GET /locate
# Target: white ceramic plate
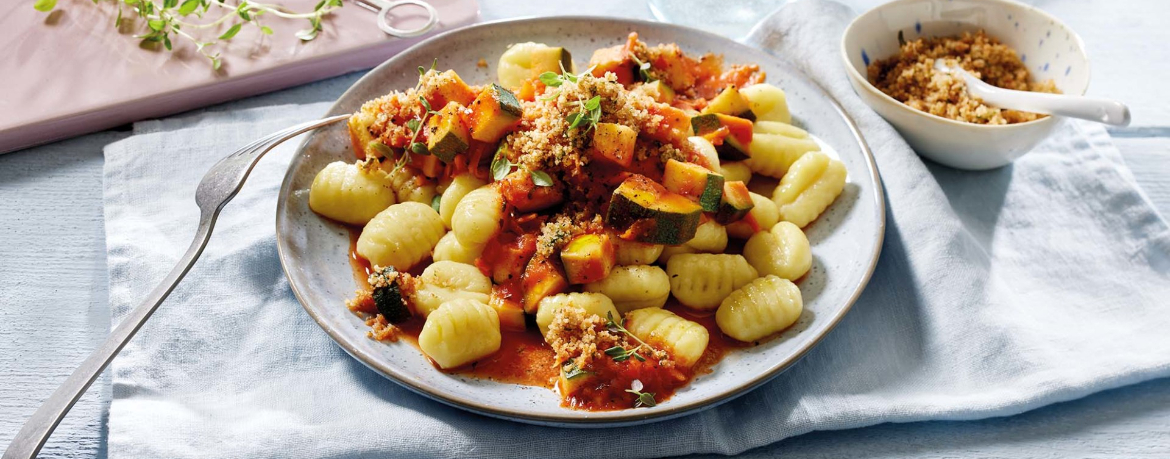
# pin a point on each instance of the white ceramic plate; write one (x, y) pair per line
(846, 239)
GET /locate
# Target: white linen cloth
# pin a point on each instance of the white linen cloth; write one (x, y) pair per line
(997, 292)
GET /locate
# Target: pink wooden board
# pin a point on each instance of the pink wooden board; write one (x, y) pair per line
(71, 72)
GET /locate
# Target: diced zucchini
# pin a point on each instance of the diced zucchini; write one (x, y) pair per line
(448, 133)
(735, 203)
(730, 102)
(510, 311)
(494, 113)
(588, 258)
(690, 179)
(573, 379)
(523, 62)
(388, 295)
(644, 211)
(614, 143)
(550, 59)
(705, 124)
(542, 277)
(448, 87)
(736, 143)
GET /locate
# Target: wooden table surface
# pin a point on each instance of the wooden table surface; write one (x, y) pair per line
(53, 278)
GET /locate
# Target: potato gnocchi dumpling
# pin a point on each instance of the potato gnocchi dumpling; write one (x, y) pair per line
(400, 236)
(765, 306)
(590, 303)
(702, 280)
(444, 281)
(454, 192)
(459, 332)
(775, 146)
(768, 102)
(349, 193)
(634, 287)
(736, 171)
(782, 251)
(449, 249)
(410, 185)
(635, 253)
(683, 339)
(478, 216)
(808, 188)
(765, 213)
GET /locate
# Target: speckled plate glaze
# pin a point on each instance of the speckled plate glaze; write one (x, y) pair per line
(846, 239)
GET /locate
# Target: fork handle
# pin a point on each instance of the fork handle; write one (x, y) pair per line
(37, 429)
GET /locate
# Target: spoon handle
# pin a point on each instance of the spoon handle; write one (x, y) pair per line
(1089, 108)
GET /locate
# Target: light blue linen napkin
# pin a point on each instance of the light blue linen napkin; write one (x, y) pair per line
(997, 292)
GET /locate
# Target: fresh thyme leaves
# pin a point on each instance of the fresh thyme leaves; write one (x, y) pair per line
(167, 19)
(643, 69)
(589, 115)
(571, 370)
(414, 124)
(645, 399)
(619, 353)
(501, 167)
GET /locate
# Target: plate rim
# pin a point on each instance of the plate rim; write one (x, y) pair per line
(587, 419)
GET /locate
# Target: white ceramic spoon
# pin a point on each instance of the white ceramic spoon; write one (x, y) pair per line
(1087, 108)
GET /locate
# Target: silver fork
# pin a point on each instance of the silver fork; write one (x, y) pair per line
(218, 186)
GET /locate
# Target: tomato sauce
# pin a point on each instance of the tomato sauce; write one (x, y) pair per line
(525, 359)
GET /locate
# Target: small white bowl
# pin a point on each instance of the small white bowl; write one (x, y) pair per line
(1048, 48)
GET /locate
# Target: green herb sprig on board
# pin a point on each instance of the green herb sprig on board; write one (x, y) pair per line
(183, 19)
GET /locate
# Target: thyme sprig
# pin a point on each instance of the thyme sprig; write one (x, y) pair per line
(501, 167)
(167, 19)
(645, 399)
(619, 353)
(588, 112)
(415, 124)
(643, 70)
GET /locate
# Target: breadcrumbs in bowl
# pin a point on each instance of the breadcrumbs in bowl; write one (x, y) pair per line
(910, 77)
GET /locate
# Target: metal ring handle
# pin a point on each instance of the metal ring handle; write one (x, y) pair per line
(432, 19)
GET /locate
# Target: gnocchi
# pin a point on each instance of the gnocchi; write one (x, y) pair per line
(702, 280)
(478, 216)
(765, 213)
(782, 251)
(809, 186)
(400, 236)
(768, 102)
(454, 192)
(444, 281)
(590, 303)
(635, 253)
(449, 249)
(459, 332)
(685, 340)
(634, 287)
(710, 237)
(763, 307)
(349, 193)
(775, 146)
